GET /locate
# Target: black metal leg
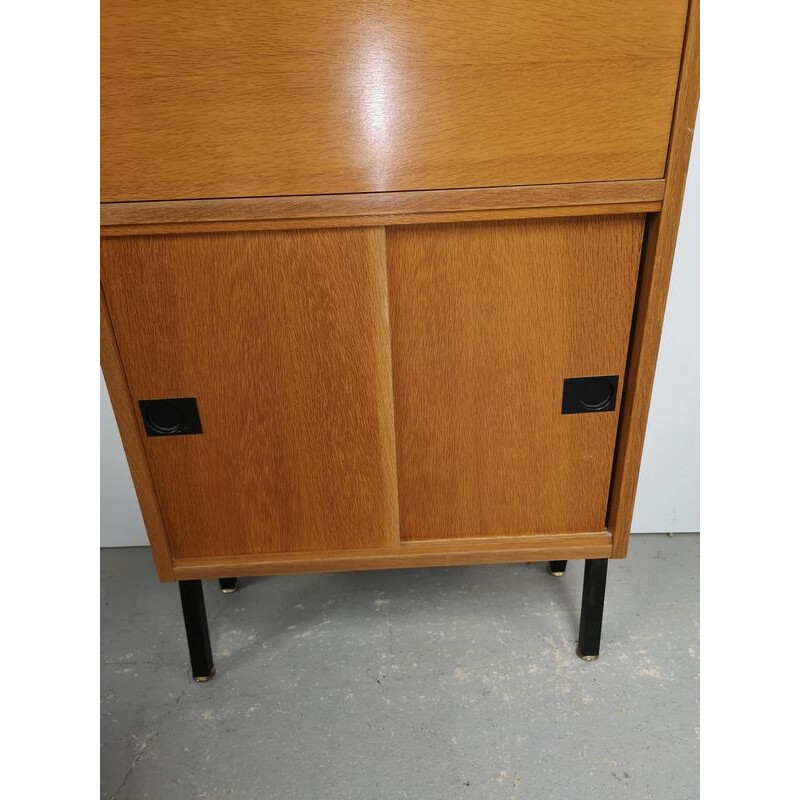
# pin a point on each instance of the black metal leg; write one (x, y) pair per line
(194, 616)
(557, 568)
(228, 585)
(594, 592)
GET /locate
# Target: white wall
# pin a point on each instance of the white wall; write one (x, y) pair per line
(668, 497)
(669, 482)
(120, 519)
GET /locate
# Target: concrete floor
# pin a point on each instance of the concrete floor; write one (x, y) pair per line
(428, 684)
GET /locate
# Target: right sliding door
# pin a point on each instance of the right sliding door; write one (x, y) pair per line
(487, 321)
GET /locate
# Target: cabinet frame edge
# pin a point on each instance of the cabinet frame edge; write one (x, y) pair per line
(431, 553)
(661, 234)
(133, 444)
(380, 208)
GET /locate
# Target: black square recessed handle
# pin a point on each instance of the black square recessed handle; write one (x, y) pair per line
(589, 395)
(174, 416)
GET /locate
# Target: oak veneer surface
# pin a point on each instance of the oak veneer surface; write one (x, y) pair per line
(204, 99)
(286, 210)
(487, 320)
(283, 340)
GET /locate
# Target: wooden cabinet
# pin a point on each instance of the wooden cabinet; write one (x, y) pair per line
(377, 248)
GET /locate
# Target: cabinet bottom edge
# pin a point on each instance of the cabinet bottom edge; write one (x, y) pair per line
(439, 553)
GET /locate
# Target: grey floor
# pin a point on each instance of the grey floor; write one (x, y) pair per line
(427, 684)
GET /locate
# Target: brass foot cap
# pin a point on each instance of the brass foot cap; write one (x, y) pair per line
(205, 678)
(555, 574)
(231, 589)
(587, 658)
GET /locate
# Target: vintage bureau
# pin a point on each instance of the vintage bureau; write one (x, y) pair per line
(383, 282)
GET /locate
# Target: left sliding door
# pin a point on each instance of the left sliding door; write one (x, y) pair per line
(282, 340)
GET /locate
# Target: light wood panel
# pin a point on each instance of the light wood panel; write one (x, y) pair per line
(405, 555)
(283, 339)
(659, 250)
(487, 321)
(203, 100)
(320, 207)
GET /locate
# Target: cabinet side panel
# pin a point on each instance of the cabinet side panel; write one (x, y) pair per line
(659, 249)
(283, 340)
(487, 321)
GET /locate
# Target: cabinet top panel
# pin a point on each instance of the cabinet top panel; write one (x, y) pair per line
(250, 98)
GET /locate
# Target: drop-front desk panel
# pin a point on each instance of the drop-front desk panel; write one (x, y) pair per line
(383, 283)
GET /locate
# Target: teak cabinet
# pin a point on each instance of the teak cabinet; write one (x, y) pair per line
(383, 283)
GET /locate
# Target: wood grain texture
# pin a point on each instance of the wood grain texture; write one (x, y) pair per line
(380, 203)
(244, 99)
(487, 321)
(283, 339)
(658, 252)
(415, 218)
(130, 432)
(408, 554)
